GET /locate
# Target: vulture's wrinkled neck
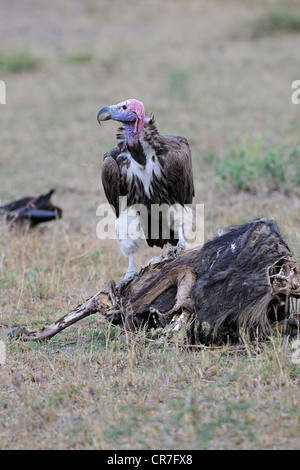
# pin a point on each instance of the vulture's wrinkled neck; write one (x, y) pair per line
(131, 136)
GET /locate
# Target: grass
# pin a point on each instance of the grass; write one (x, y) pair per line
(18, 60)
(143, 393)
(282, 21)
(80, 57)
(90, 387)
(251, 168)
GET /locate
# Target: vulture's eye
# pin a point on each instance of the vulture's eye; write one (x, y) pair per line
(124, 107)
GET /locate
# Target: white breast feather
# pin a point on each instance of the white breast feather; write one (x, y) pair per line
(144, 173)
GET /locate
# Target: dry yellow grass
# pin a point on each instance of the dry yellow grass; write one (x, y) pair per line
(197, 67)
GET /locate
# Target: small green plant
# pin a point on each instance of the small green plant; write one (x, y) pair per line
(18, 60)
(249, 167)
(276, 22)
(80, 57)
(273, 165)
(294, 158)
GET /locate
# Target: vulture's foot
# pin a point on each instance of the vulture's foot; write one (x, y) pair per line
(129, 276)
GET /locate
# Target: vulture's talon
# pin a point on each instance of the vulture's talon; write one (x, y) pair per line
(125, 281)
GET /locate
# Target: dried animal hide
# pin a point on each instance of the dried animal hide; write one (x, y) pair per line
(241, 282)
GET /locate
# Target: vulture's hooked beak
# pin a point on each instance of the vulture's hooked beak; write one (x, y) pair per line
(117, 112)
(104, 114)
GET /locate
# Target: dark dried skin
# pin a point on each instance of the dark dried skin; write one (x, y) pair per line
(231, 286)
(180, 277)
(240, 281)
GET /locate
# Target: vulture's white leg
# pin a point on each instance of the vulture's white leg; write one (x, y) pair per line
(181, 240)
(180, 218)
(130, 241)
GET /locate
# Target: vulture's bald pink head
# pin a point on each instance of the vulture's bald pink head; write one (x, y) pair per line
(131, 112)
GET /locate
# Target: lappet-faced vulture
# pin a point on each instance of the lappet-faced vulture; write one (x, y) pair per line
(150, 170)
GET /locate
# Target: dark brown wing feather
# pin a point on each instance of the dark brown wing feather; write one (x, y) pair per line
(110, 175)
(178, 169)
(176, 161)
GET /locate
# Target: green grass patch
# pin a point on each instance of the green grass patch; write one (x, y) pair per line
(276, 22)
(80, 57)
(249, 167)
(19, 60)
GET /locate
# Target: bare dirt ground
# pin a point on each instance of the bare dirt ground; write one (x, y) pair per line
(198, 67)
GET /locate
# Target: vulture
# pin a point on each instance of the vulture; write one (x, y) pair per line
(149, 170)
(30, 211)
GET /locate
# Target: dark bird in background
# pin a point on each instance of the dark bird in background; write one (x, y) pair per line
(30, 211)
(146, 168)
